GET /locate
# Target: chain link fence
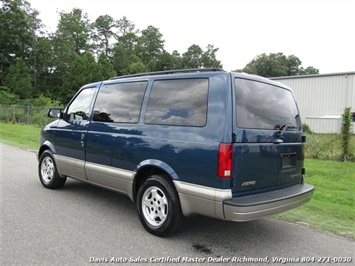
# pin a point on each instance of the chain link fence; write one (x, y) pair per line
(29, 115)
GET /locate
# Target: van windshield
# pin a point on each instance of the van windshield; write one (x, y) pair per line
(265, 106)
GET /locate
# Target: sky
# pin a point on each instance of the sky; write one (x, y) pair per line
(321, 33)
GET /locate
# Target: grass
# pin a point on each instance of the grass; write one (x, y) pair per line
(22, 136)
(332, 207)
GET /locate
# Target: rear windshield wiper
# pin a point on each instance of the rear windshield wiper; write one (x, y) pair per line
(282, 129)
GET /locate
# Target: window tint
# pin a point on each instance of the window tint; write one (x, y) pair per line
(181, 102)
(79, 109)
(120, 103)
(265, 106)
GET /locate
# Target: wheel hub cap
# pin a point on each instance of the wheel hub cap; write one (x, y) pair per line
(154, 206)
(47, 170)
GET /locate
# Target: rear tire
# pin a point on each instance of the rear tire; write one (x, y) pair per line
(158, 206)
(48, 173)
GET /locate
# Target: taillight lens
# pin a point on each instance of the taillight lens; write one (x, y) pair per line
(225, 158)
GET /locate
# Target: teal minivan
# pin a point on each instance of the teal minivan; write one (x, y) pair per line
(184, 142)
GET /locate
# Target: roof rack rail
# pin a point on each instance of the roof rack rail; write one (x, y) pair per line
(165, 72)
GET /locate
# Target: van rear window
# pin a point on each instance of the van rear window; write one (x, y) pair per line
(264, 106)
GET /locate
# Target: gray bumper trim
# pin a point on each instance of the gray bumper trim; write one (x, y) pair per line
(252, 207)
(197, 199)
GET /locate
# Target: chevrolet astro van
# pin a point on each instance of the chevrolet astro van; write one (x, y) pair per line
(183, 142)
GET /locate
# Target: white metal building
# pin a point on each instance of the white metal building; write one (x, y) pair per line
(322, 99)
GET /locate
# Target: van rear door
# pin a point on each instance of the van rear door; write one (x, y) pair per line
(268, 148)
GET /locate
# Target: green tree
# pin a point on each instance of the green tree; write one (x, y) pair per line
(135, 65)
(294, 65)
(164, 61)
(124, 28)
(74, 31)
(19, 79)
(71, 44)
(103, 32)
(149, 45)
(34, 63)
(45, 64)
(84, 69)
(126, 35)
(120, 59)
(19, 24)
(177, 60)
(309, 71)
(273, 65)
(106, 67)
(36, 28)
(125, 47)
(277, 65)
(7, 97)
(208, 58)
(192, 58)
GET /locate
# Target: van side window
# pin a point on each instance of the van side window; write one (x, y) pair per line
(180, 102)
(120, 103)
(79, 109)
(264, 106)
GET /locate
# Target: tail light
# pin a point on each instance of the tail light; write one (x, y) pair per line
(225, 159)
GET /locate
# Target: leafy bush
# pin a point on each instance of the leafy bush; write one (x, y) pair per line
(41, 100)
(307, 129)
(7, 97)
(346, 132)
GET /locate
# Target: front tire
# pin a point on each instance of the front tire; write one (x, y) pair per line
(48, 173)
(158, 206)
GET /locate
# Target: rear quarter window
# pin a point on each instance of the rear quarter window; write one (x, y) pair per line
(264, 106)
(180, 102)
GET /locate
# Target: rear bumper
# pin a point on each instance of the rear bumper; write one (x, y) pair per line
(252, 207)
(220, 204)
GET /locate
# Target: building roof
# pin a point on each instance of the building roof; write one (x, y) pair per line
(315, 75)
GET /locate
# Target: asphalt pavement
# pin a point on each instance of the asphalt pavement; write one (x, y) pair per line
(85, 225)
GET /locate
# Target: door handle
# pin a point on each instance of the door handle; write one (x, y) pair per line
(82, 139)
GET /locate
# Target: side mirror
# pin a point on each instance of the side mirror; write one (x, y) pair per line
(55, 113)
